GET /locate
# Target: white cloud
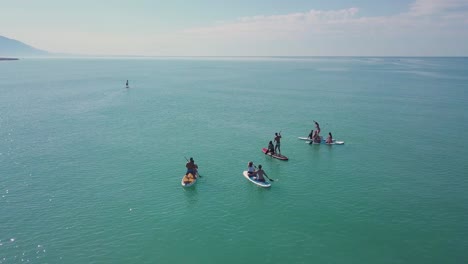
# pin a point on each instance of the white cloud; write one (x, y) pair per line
(430, 7)
(428, 27)
(422, 14)
(295, 22)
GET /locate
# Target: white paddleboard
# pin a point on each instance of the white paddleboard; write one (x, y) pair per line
(188, 180)
(335, 142)
(264, 184)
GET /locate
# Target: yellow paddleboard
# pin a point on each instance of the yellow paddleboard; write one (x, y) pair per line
(188, 180)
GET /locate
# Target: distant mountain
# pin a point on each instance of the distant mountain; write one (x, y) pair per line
(14, 48)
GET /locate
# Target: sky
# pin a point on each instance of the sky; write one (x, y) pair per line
(240, 27)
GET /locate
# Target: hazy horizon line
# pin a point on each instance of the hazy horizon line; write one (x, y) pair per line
(65, 56)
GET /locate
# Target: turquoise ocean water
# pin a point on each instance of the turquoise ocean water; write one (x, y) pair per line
(90, 171)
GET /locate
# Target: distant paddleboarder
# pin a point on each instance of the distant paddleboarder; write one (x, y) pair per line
(126, 84)
(317, 129)
(329, 138)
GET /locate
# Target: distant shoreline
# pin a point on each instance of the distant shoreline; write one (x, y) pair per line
(7, 59)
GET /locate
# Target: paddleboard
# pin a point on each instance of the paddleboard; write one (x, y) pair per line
(276, 156)
(323, 142)
(335, 142)
(306, 138)
(188, 180)
(264, 184)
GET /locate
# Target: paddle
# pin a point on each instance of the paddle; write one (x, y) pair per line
(264, 174)
(197, 169)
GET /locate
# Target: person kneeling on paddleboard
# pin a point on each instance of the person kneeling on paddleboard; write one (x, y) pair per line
(317, 139)
(251, 169)
(260, 172)
(329, 138)
(271, 148)
(191, 168)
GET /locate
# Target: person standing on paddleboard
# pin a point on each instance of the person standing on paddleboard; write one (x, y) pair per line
(126, 84)
(260, 172)
(277, 141)
(317, 128)
(191, 168)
